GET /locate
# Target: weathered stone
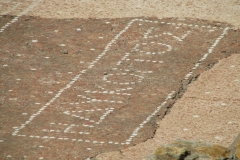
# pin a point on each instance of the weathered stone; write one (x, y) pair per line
(172, 152)
(190, 150)
(214, 151)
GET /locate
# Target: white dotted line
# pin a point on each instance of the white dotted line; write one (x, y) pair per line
(66, 130)
(142, 60)
(180, 39)
(13, 99)
(123, 58)
(148, 32)
(23, 135)
(135, 47)
(135, 132)
(140, 78)
(62, 45)
(104, 115)
(107, 92)
(15, 19)
(78, 140)
(91, 100)
(168, 46)
(206, 54)
(108, 111)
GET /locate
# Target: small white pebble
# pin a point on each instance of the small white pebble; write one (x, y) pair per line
(24, 114)
(56, 31)
(47, 57)
(34, 41)
(5, 65)
(41, 158)
(78, 29)
(230, 122)
(1, 141)
(12, 99)
(107, 22)
(232, 66)
(217, 137)
(185, 129)
(89, 149)
(62, 45)
(223, 104)
(195, 116)
(207, 92)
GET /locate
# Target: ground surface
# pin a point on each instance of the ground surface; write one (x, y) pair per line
(215, 10)
(74, 88)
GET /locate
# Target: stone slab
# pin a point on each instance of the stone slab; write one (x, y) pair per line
(74, 88)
